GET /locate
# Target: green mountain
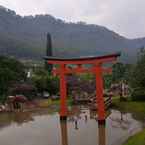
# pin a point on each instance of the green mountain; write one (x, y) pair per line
(25, 38)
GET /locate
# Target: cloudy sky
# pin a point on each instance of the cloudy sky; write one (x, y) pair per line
(126, 17)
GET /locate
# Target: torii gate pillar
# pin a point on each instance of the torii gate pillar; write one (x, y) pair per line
(99, 95)
(63, 94)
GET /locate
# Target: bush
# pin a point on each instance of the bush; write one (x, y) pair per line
(138, 79)
(43, 81)
(2, 98)
(52, 85)
(11, 70)
(138, 94)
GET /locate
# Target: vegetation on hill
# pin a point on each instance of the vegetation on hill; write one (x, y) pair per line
(25, 37)
(43, 81)
(11, 71)
(13, 80)
(138, 78)
(131, 74)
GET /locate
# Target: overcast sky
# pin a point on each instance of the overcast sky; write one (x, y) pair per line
(126, 17)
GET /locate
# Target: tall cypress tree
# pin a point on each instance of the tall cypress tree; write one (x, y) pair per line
(48, 52)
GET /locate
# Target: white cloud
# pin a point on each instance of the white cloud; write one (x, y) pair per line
(123, 16)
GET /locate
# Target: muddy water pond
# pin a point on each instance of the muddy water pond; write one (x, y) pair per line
(43, 127)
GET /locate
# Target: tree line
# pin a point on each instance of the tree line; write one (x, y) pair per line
(13, 71)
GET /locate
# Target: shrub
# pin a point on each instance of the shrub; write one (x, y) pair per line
(138, 94)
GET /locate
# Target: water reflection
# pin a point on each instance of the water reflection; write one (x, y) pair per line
(120, 121)
(81, 128)
(102, 135)
(76, 115)
(64, 133)
(21, 118)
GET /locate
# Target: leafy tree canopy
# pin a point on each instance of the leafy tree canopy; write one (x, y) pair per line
(138, 78)
(43, 81)
(11, 71)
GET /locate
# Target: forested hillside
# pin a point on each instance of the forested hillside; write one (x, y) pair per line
(25, 37)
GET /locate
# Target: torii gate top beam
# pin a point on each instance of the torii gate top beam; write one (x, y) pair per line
(83, 60)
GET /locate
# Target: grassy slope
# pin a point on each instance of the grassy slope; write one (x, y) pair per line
(138, 139)
(130, 106)
(138, 109)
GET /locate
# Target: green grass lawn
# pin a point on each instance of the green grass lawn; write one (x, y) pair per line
(49, 102)
(137, 108)
(138, 139)
(57, 102)
(138, 111)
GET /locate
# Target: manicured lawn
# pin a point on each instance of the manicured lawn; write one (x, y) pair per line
(138, 111)
(57, 102)
(130, 106)
(48, 102)
(138, 139)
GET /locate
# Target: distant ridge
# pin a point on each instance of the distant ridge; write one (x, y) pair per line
(25, 38)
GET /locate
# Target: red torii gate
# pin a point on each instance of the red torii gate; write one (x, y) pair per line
(96, 68)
